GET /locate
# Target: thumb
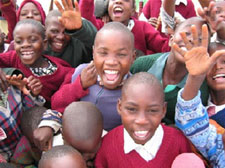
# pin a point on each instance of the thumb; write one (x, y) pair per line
(50, 143)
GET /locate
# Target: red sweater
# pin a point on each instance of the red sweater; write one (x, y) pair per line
(146, 37)
(111, 153)
(51, 83)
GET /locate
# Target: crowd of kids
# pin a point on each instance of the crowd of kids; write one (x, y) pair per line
(97, 84)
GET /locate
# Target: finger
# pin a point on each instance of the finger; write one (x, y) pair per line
(205, 38)
(3, 81)
(90, 65)
(200, 12)
(50, 144)
(65, 4)
(77, 9)
(185, 40)
(59, 6)
(216, 55)
(70, 4)
(194, 35)
(179, 50)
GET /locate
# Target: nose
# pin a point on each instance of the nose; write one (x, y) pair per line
(111, 61)
(30, 15)
(26, 44)
(60, 36)
(141, 119)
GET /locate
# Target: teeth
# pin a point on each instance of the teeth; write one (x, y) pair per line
(27, 52)
(184, 48)
(111, 72)
(118, 9)
(218, 75)
(59, 44)
(141, 134)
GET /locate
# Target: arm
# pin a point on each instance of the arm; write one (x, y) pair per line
(87, 11)
(8, 59)
(8, 10)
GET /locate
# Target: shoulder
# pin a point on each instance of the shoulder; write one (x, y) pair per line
(57, 61)
(143, 63)
(78, 71)
(113, 136)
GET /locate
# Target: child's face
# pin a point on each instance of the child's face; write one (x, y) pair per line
(185, 27)
(28, 44)
(113, 55)
(56, 36)
(142, 109)
(121, 10)
(30, 11)
(220, 6)
(66, 161)
(216, 76)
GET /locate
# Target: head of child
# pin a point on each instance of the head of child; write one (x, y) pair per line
(31, 9)
(216, 76)
(220, 9)
(82, 126)
(113, 54)
(55, 32)
(185, 27)
(121, 10)
(29, 39)
(29, 122)
(63, 156)
(141, 106)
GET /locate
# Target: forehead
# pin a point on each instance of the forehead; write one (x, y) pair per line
(26, 29)
(188, 23)
(113, 38)
(220, 4)
(53, 22)
(29, 6)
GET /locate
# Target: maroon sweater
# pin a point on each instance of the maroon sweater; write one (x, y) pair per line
(51, 83)
(146, 37)
(111, 153)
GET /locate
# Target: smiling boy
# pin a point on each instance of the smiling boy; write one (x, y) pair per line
(141, 141)
(100, 81)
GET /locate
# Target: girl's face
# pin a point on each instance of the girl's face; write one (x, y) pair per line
(28, 44)
(30, 11)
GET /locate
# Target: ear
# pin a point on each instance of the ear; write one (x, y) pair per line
(164, 109)
(93, 51)
(119, 106)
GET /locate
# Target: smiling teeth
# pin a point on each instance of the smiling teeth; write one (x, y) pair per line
(111, 72)
(27, 53)
(59, 44)
(118, 9)
(141, 134)
(218, 75)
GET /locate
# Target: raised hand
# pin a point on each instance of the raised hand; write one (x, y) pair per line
(19, 82)
(88, 76)
(209, 14)
(35, 85)
(197, 59)
(71, 18)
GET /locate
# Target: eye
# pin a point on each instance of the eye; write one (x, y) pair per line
(54, 31)
(33, 39)
(102, 53)
(152, 110)
(131, 110)
(36, 13)
(23, 13)
(18, 41)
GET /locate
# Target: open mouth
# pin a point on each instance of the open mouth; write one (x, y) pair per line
(117, 11)
(27, 54)
(219, 76)
(111, 75)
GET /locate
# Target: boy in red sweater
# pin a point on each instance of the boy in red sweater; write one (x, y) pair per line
(145, 35)
(141, 141)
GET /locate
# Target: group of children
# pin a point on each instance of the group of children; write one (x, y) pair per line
(72, 96)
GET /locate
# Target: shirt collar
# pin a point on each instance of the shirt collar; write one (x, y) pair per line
(217, 108)
(158, 67)
(178, 2)
(147, 151)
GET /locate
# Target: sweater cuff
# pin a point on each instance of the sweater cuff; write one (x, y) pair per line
(79, 87)
(51, 118)
(38, 100)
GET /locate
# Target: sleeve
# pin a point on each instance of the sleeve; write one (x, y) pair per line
(68, 93)
(9, 12)
(8, 59)
(87, 12)
(191, 117)
(51, 118)
(146, 9)
(29, 101)
(86, 35)
(101, 157)
(154, 40)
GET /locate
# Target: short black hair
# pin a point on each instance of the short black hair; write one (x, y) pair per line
(52, 13)
(117, 26)
(82, 125)
(57, 152)
(34, 23)
(213, 46)
(30, 120)
(143, 78)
